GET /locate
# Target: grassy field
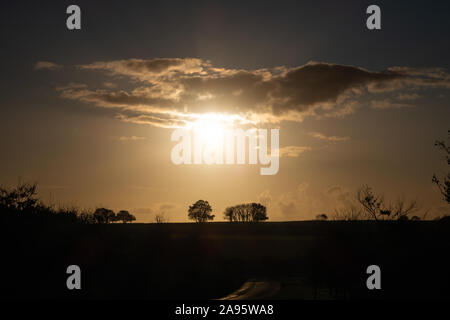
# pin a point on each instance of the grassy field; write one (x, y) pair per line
(311, 259)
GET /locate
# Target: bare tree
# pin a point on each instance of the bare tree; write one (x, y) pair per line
(160, 218)
(375, 207)
(443, 184)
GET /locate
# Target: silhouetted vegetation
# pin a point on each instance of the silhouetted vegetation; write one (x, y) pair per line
(376, 208)
(124, 216)
(322, 217)
(372, 206)
(444, 183)
(160, 218)
(200, 211)
(350, 213)
(21, 204)
(103, 215)
(249, 212)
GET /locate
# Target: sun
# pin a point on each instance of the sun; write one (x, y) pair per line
(210, 133)
(211, 128)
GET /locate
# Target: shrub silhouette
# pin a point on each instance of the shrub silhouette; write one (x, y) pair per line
(322, 217)
(200, 211)
(22, 198)
(21, 204)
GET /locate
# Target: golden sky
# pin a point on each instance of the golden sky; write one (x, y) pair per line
(89, 115)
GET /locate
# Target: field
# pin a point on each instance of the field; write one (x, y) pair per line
(309, 260)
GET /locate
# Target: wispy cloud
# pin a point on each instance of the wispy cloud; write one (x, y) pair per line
(131, 138)
(292, 151)
(388, 104)
(408, 96)
(46, 65)
(109, 85)
(321, 136)
(71, 86)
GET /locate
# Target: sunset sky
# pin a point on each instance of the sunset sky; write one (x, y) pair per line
(89, 113)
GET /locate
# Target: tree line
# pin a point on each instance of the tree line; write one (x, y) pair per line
(201, 210)
(21, 204)
(103, 215)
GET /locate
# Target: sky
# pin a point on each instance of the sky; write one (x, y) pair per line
(88, 114)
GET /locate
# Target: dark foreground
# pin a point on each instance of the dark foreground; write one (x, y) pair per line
(306, 260)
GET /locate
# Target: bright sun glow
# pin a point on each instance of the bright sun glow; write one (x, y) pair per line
(210, 128)
(211, 133)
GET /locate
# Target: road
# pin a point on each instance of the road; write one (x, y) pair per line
(255, 290)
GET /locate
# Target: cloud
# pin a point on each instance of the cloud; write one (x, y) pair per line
(339, 193)
(157, 120)
(408, 96)
(321, 136)
(387, 104)
(110, 85)
(132, 138)
(46, 65)
(265, 198)
(148, 70)
(71, 86)
(305, 202)
(170, 211)
(293, 151)
(166, 206)
(168, 92)
(142, 211)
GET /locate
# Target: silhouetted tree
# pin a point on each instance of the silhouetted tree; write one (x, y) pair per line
(444, 184)
(258, 212)
(375, 207)
(103, 215)
(246, 213)
(228, 214)
(21, 198)
(200, 211)
(125, 216)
